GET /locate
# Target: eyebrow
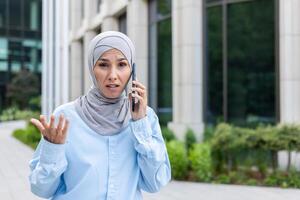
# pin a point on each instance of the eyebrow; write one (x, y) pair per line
(106, 60)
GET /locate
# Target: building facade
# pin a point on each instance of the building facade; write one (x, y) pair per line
(203, 61)
(20, 41)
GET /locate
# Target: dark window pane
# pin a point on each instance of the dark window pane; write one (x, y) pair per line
(163, 8)
(215, 68)
(123, 23)
(3, 48)
(251, 67)
(164, 71)
(3, 13)
(32, 14)
(98, 5)
(14, 13)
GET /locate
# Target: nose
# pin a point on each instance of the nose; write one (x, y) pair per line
(112, 75)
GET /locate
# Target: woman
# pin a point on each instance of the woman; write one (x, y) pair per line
(99, 148)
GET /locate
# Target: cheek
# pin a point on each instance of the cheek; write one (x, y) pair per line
(99, 75)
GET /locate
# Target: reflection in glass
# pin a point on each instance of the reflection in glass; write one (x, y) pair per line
(164, 8)
(15, 14)
(3, 48)
(164, 71)
(3, 66)
(123, 23)
(250, 62)
(251, 67)
(3, 13)
(34, 15)
(215, 69)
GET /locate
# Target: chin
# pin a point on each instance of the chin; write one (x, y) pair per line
(112, 96)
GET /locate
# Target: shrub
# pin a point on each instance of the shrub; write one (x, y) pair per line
(13, 113)
(8, 114)
(208, 133)
(167, 134)
(30, 136)
(190, 139)
(22, 87)
(201, 162)
(178, 159)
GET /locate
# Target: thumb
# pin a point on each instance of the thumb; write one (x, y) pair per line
(130, 97)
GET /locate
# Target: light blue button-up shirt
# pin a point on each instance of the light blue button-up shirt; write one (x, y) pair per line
(90, 166)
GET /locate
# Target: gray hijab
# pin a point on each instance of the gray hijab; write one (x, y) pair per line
(104, 115)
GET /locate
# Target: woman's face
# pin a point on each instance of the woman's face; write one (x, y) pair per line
(112, 72)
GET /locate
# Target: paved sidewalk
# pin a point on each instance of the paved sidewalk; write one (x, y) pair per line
(14, 170)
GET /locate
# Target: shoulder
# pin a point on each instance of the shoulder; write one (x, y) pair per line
(64, 108)
(151, 115)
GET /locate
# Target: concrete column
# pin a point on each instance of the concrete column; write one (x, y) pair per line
(76, 70)
(289, 38)
(187, 68)
(109, 23)
(137, 30)
(75, 14)
(88, 36)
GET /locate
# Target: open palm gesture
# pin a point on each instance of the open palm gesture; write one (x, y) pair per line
(56, 135)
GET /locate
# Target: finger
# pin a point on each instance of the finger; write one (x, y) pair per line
(138, 84)
(38, 124)
(43, 121)
(52, 118)
(66, 126)
(137, 97)
(60, 123)
(139, 90)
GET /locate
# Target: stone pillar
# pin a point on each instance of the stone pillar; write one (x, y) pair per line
(187, 64)
(88, 36)
(137, 30)
(76, 69)
(289, 68)
(289, 38)
(75, 14)
(109, 23)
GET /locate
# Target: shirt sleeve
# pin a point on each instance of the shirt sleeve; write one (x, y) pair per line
(47, 165)
(153, 159)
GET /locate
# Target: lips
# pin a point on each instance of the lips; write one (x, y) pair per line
(112, 85)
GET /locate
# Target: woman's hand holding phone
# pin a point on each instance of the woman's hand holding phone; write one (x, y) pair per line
(56, 135)
(138, 97)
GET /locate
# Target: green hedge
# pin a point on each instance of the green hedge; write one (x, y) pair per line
(178, 159)
(30, 136)
(201, 161)
(235, 155)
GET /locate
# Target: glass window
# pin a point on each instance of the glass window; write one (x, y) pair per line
(15, 13)
(15, 66)
(123, 23)
(34, 15)
(98, 5)
(3, 48)
(3, 13)
(3, 66)
(160, 53)
(164, 70)
(164, 8)
(245, 94)
(215, 63)
(251, 67)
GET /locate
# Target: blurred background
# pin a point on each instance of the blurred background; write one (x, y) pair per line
(222, 75)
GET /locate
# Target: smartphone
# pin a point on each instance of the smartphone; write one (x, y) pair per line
(133, 79)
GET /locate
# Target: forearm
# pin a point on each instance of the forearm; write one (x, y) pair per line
(47, 166)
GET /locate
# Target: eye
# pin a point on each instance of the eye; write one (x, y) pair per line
(103, 64)
(122, 64)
